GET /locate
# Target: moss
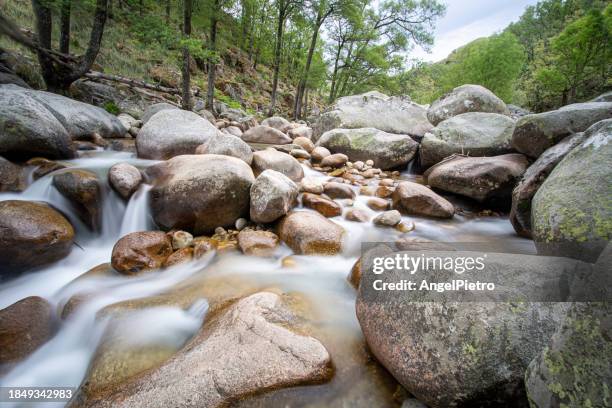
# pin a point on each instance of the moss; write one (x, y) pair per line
(111, 107)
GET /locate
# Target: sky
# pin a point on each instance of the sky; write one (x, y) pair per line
(467, 20)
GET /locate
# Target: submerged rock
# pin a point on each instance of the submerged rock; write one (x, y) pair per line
(141, 251)
(465, 98)
(480, 178)
(472, 134)
(392, 114)
(272, 195)
(416, 199)
(245, 349)
(387, 150)
(227, 145)
(82, 188)
(310, 233)
(32, 234)
(24, 327)
(199, 193)
(125, 179)
(282, 162)
(534, 134)
(173, 132)
(534, 177)
(571, 213)
(258, 243)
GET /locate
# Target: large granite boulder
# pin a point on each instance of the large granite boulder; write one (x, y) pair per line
(272, 195)
(12, 176)
(277, 122)
(199, 193)
(265, 134)
(28, 129)
(31, 234)
(245, 349)
(310, 233)
(480, 178)
(472, 133)
(416, 199)
(387, 150)
(274, 160)
(534, 134)
(520, 212)
(453, 353)
(24, 327)
(465, 98)
(227, 145)
(84, 191)
(390, 114)
(571, 213)
(172, 132)
(153, 109)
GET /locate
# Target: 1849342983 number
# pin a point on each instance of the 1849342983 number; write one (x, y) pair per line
(51, 394)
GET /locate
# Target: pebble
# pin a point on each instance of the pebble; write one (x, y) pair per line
(388, 218)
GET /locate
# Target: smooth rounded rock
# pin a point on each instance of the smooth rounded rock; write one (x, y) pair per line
(274, 160)
(416, 199)
(272, 195)
(227, 145)
(141, 251)
(265, 134)
(310, 233)
(125, 179)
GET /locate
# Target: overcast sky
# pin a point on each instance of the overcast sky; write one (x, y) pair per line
(466, 20)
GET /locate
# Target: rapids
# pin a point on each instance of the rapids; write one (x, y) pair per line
(64, 360)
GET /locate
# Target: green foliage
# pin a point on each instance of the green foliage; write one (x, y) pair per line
(111, 107)
(227, 100)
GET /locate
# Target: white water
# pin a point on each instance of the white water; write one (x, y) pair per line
(63, 361)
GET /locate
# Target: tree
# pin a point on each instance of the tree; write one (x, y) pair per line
(186, 75)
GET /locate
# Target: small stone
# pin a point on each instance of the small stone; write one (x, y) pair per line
(241, 223)
(181, 239)
(328, 208)
(288, 262)
(335, 160)
(359, 165)
(300, 154)
(140, 251)
(357, 215)
(388, 218)
(181, 256)
(367, 190)
(220, 231)
(304, 143)
(319, 153)
(258, 243)
(311, 185)
(370, 173)
(405, 227)
(202, 247)
(338, 190)
(369, 163)
(387, 182)
(378, 204)
(384, 191)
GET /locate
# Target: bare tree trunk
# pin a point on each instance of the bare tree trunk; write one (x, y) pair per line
(168, 5)
(186, 83)
(299, 95)
(277, 59)
(64, 42)
(210, 92)
(140, 7)
(335, 73)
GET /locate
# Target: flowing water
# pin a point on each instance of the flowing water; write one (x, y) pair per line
(321, 281)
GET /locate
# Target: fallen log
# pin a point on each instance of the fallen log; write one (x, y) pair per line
(95, 75)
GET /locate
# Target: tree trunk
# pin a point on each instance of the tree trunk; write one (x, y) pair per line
(64, 42)
(186, 83)
(277, 58)
(210, 92)
(168, 4)
(140, 7)
(299, 95)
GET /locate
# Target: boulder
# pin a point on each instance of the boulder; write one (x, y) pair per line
(274, 160)
(199, 193)
(300, 131)
(534, 134)
(388, 218)
(227, 145)
(246, 349)
(310, 233)
(12, 176)
(234, 131)
(312, 185)
(153, 109)
(28, 129)
(319, 153)
(24, 327)
(573, 370)
(387, 150)
(338, 190)
(272, 195)
(82, 188)
(31, 234)
(472, 134)
(277, 123)
(416, 199)
(141, 251)
(395, 114)
(265, 134)
(78, 118)
(465, 98)
(378, 204)
(571, 212)
(334, 160)
(327, 207)
(258, 243)
(357, 215)
(536, 174)
(604, 97)
(480, 178)
(172, 132)
(450, 353)
(128, 121)
(124, 179)
(304, 143)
